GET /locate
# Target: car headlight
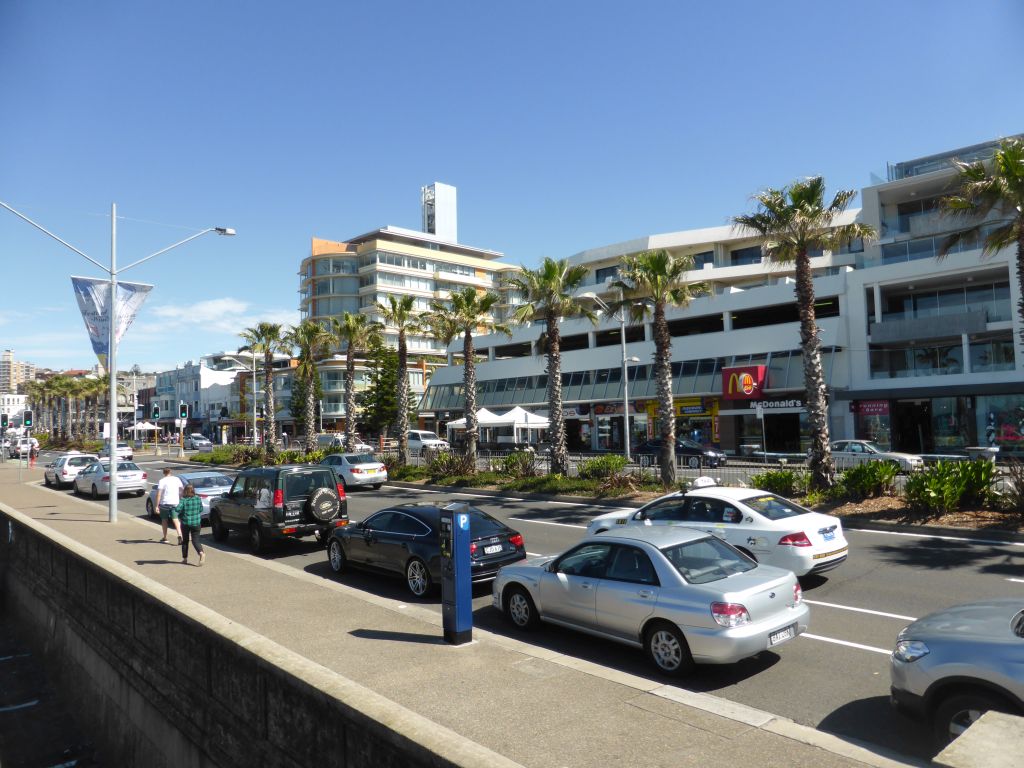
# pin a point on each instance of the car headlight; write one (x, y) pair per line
(909, 650)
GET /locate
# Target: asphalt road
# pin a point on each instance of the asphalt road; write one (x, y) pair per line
(834, 678)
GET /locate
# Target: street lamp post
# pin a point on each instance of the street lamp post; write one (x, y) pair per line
(112, 271)
(625, 360)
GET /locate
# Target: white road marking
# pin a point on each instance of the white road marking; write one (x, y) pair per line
(861, 610)
(933, 536)
(547, 522)
(1019, 581)
(845, 642)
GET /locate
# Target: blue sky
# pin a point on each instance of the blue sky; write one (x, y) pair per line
(564, 125)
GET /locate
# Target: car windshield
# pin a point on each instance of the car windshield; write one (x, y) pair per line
(214, 481)
(481, 524)
(428, 436)
(126, 466)
(775, 507)
(360, 458)
(80, 461)
(873, 448)
(707, 560)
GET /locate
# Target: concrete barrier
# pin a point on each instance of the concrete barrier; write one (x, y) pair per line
(160, 680)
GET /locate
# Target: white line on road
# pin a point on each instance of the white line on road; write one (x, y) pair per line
(546, 522)
(861, 610)
(1019, 581)
(844, 642)
(933, 536)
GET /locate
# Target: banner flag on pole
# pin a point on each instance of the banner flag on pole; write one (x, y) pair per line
(93, 294)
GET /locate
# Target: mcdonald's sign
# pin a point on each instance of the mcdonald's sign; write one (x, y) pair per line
(743, 382)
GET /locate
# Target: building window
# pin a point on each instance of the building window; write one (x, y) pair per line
(742, 256)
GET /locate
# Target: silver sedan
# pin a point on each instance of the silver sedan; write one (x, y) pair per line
(681, 595)
(95, 479)
(357, 469)
(209, 485)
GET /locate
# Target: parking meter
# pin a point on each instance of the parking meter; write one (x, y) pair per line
(456, 584)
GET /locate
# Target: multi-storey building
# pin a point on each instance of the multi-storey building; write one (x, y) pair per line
(920, 353)
(14, 373)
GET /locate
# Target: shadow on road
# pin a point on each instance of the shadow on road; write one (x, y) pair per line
(874, 721)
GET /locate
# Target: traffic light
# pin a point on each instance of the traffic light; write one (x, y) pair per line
(156, 411)
(3, 421)
(183, 411)
(26, 419)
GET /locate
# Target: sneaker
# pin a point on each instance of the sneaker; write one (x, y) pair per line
(202, 557)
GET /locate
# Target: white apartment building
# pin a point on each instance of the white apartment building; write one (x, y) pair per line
(14, 373)
(919, 354)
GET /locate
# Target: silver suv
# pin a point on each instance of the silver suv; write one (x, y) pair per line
(954, 665)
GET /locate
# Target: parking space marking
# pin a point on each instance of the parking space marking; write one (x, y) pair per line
(847, 643)
(547, 522)
(861, 610)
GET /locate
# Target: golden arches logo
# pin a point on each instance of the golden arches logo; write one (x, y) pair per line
(742, 382)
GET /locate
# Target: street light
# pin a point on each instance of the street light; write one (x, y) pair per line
(112, 317)
(625, 360)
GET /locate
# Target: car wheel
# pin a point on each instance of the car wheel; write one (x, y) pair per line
(376, 486)
(95, 493)
(417, 577)
(693, 462)
(140, 493)
(520, 609)
(217, 528)
(336, 556)
(46, 480)
(257, 541)
(955, 713)
(667, 648)
(150, 511)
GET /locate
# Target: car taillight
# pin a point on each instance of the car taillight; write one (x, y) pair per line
(279, 498)
(201, 495)
(341, 491)
(798, 539)
(516, 540)
(144, 476)
(472, 549)
(798, 593)
(105, 479)
(356, 471)
(730, 614)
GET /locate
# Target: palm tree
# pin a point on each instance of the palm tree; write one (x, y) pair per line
(76, 410)
(651, 282)
(398, 314)
(95, 395)
(266, 339)
(794, 221)
(469, 312)
(313, 342)
(547, 293)
(987, 187)
(357, 333)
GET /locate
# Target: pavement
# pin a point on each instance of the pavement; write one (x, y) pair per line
(535, 706)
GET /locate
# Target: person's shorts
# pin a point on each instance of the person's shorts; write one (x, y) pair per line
(167, 512)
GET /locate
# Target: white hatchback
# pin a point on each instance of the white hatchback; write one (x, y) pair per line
(65, 469)
(768, 528)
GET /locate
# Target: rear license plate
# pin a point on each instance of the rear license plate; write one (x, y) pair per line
(829, 535)
(782, 635)
(493, 549)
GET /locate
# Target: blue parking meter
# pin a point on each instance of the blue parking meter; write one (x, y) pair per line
(456, 584)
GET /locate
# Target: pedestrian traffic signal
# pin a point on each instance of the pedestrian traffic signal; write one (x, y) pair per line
(3, 421)
(183, 411)
(26, 419)
(156, 411)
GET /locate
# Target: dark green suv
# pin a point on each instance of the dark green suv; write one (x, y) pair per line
(286, 502)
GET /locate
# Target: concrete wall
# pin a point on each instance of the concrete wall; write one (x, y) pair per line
(159, 680)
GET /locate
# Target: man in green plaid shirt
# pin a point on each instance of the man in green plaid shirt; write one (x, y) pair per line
(190, 513)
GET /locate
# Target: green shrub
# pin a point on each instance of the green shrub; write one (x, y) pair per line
(450, 464)
(784, 482)
(408, 472)
(947, 486)
(554, 484)
(521, 464)
(874, 478)
(1010, 495)
(602, 467)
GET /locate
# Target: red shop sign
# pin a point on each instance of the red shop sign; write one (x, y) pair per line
(873, 407)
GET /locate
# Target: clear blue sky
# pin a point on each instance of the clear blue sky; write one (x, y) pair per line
(564, 125)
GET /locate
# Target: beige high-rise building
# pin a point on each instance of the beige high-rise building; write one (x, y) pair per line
(13, 373)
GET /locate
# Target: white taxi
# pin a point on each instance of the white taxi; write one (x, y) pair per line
(767, 527)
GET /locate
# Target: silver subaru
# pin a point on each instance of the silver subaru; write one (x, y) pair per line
(952, 666)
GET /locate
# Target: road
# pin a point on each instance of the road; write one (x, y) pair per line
(834, 678)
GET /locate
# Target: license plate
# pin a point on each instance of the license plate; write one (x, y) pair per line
(782, 635)
(493, 549)
(829, 535)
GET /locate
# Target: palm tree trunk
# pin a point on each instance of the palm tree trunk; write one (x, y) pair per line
(666, 411)
(559, 450)
(402, 420)
(823, 472)
(310, 415)
(469, 384)
(350, 399)
(269, 420)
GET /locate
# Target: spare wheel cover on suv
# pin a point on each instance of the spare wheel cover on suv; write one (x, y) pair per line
(322, 505)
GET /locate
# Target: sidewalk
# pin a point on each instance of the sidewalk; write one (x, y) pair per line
(536, 707)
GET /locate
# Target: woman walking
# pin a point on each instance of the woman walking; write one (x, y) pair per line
(190, 512)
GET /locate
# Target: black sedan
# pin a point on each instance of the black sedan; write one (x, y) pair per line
(403, 541)
(693, 454)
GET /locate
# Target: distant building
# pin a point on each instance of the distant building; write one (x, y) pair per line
(14, 373)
